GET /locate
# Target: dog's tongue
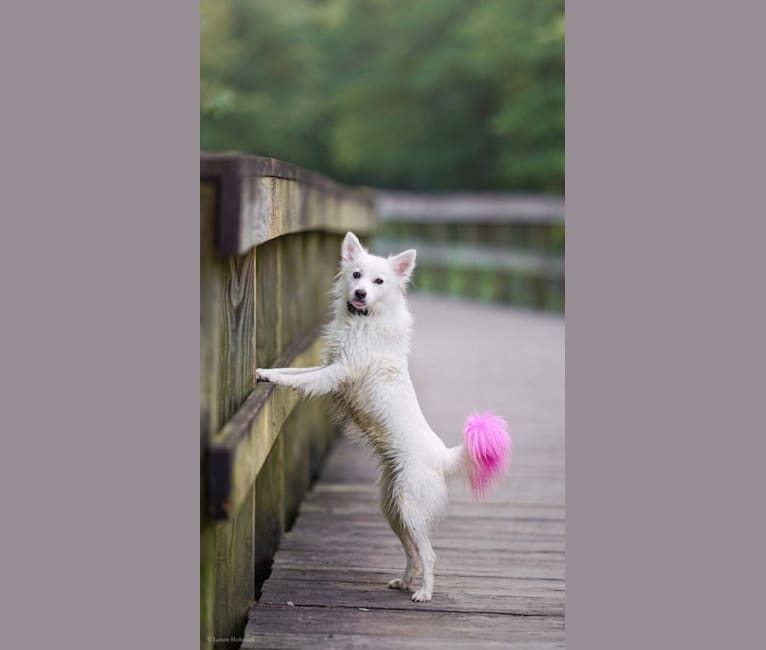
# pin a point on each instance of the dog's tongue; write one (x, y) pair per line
(357, 304)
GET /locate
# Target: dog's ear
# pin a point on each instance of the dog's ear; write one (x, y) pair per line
(351, 249)
(403, 263)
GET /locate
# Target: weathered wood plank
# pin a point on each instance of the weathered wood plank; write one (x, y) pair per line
(451, 526)
(211, 298)
(266, 198)
(463, 541)
(503, 511)
(268, 305)
(536, 586)
(272, 207)
(298, 431)
(234, 560)
(503, 563)
(454, 595)
(269, 511)
(314, 622)
(237, 373)
(289, 325)
(235, 567)
(288, 641)
(392, 566)
(530, 490)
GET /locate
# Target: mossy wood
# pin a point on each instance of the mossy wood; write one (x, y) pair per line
(270, 233)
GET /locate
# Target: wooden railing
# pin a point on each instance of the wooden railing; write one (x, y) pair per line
(270, 237)
(494, 247)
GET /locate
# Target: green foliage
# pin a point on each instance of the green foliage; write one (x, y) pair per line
(433, 94)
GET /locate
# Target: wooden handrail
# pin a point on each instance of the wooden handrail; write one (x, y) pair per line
(263, 198)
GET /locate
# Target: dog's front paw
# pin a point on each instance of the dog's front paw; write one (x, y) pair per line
(398, 583)
(421, 596)
(260, 375)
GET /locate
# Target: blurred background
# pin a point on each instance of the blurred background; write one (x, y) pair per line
(453, 110)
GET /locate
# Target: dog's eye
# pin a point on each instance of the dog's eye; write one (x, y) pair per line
(357, 275)
(378, 280)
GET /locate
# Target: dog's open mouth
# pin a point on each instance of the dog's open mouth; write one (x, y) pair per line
(357, 308)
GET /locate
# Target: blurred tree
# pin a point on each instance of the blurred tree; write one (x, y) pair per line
(433, 94)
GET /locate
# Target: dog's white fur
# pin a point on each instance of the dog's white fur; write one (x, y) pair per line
(366, 371)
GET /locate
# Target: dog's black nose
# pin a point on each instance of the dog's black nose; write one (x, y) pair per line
(360, 293)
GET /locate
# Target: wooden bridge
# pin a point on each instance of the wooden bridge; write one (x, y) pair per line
(500, 568)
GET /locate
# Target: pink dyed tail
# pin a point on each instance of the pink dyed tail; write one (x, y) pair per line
(489, 447)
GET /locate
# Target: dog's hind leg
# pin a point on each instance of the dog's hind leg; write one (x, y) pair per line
(390, 505)
(418, 513)
(413, 562)
(427, 556)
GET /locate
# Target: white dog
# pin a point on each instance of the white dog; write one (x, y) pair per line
(367, 344)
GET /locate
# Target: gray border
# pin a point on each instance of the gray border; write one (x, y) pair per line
(665, 353)
(664, 325)
(99, 358)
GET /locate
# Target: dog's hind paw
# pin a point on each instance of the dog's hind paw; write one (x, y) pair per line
(421, 596)
(397, 583)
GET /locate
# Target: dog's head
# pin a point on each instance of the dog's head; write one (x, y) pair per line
(370, 282)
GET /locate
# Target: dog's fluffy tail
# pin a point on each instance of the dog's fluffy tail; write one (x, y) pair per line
(485, 454)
